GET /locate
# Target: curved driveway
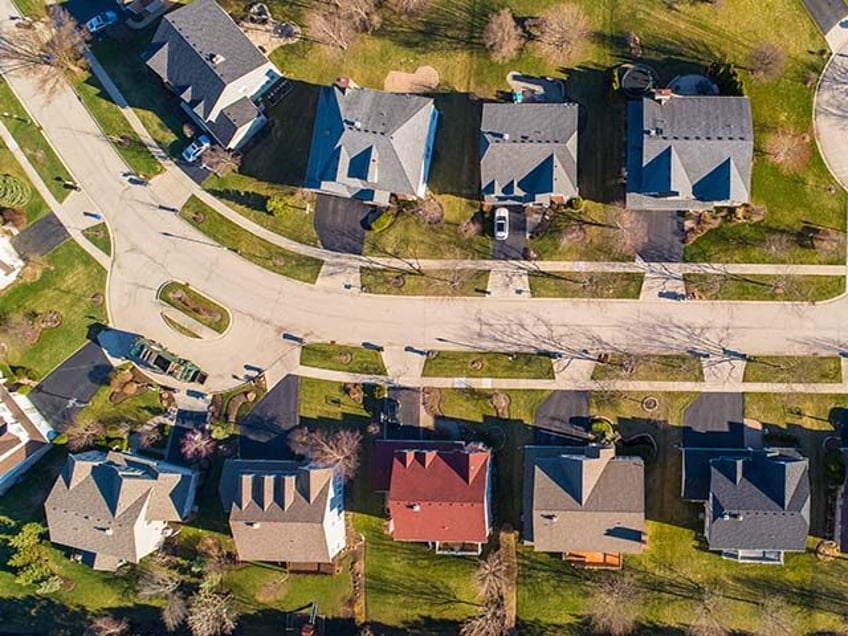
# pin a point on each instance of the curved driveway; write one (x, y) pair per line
(152, 246)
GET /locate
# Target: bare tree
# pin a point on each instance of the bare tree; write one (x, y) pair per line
(776, 618)
(503, 37)
(634, 45)
(491, 576)
(148, 436)
(409, 7)
(490, 620)
(197, 444)
(211, 613)
(84, 434)
(614, 607)
(174, 613)
(52, 48)
(340, 448)
(221, 161)
(708, 616)
(336, 23)
(108, 626)
(560, 32)
(767, 61)
(159, 582)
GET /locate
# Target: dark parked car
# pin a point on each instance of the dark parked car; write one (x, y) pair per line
(390, 412)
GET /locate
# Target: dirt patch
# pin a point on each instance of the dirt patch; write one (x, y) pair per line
(476, 364)
(431, 400)
(345, 357)
(500, 402)
(790, 151)
(50, 320)
(423, 80)
(429, 211)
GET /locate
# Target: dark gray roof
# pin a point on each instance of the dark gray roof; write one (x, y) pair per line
(98, 499)
(230, 119)
(528, 152)
(696, 469)
(761, 502)
(277, 509)
(583, 499)
(198, 50)
(366, 143)
(689, 152)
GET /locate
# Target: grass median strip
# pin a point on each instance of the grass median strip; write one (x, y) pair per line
(180, 329)
(442, 282)
(805, 288)
(33, 143)
(470, 364)
(585, 284)
(116, 127)
(342, 358)
(249, 246)
(195, 305)
(98, 235)
(801, 369)
(647, 368)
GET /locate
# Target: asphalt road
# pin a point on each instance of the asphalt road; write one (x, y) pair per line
(66, 391)
(40, 238)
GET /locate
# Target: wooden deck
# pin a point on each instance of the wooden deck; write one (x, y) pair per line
(593, 560)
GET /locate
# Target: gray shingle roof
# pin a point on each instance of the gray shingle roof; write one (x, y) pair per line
(277, 509)
(528, 152)
(583, 499)
(233, 117)
(761, 502)
(368, 144)
(198, 50)
(689, 152)
(99, 498)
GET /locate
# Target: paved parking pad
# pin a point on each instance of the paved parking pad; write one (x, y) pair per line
(40, 238)
(263, 433)
(338, 223)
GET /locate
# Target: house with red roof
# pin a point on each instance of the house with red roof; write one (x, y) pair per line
(440, 495)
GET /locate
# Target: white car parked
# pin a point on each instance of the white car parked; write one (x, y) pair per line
(501, 224)
(101, 21)
(196, 148)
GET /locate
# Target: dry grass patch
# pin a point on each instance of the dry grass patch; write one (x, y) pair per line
(789, 150)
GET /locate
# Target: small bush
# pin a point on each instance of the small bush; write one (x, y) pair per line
(503, 37)
(60, 440)
(15, 217)
(576, 203)
(382, 222)
(276, 206)
(14, 192)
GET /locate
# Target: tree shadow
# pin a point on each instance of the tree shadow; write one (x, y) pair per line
(456, 25)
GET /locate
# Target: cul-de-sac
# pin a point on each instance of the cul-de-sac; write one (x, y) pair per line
(423, 317)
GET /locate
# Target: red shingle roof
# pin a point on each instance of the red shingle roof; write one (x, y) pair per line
(440, 495)
(384, 452)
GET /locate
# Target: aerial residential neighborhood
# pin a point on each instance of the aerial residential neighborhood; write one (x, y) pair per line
(424, 317)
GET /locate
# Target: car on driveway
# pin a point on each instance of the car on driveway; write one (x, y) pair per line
(390, 412)
(196, 148)
(501, 224)
(101, 21)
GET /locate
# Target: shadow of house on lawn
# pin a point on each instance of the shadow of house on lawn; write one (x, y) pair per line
(455, 167)
(281, 153)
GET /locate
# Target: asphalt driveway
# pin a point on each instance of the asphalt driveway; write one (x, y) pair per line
(64, 393)
(263, 433)
(826, 13)
(658, 235)
(338, 223)
(40, 238)
(513, 247)
(715, 420)
(563, 413)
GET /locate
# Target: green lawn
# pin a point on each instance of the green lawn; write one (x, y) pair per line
(764, 287)
(115, 126)
(29, 137)
(250, 197)
(37, 206)
(158, 109)
(69, 281)
(469, 282)
(136, 410)
(249, 246)
(195, 305)
(31, 8)
(460, 364)
(595, 233)
(672, 368)
(342, 358)
(585, 285)
(812, 369)
(98, 235)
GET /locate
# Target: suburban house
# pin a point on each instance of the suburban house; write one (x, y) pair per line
(758, 506)
(24, 437)
(114, 508)
(439, 496)
(369, 145)
(217, 72)
(584, 503)
(688, 153)
(285, 512)
(528, 153)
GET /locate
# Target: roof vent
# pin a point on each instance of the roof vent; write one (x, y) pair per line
(357, 124)
(506, 136)
(215, 58)
(415, 507)
(253, 524)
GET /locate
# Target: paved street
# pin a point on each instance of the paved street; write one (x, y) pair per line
(153, 246)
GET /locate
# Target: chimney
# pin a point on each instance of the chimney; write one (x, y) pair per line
(426, 457)
(246, 490)
(267, 491)
(288, 491)
(662, 95)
